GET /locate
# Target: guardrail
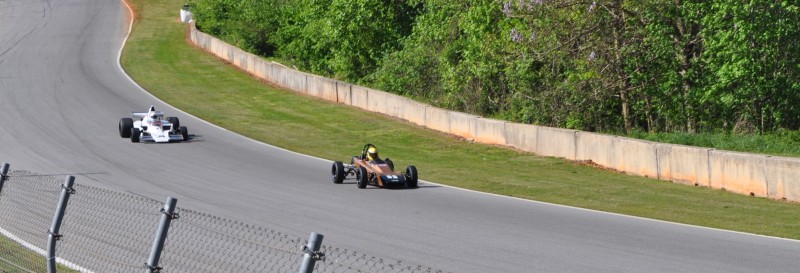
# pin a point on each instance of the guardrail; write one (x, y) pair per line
(751, 174)
(98, 230)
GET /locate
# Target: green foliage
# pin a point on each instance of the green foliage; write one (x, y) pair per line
(610, 66)
(246, 24)
(304, 38)
(753, 50)
(366, 31)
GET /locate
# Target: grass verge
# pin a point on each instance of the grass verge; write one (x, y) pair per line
(159, 58)
(15, 258)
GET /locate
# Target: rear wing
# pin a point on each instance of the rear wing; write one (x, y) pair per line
(141, 115)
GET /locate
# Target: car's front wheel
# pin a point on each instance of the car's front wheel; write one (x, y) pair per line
(176, 123)
(184, 133)
(411, 177)
(361, 177)
(125, 125)
(135, 134)
(337, 172)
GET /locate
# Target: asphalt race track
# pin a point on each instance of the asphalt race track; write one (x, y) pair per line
(62, 93)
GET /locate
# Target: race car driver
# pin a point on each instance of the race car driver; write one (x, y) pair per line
(372, 154)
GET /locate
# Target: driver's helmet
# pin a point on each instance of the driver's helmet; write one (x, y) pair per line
(154, 119)
(372, 153)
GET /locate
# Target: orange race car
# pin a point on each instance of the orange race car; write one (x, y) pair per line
(369, 169)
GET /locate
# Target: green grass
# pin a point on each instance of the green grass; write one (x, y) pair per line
(159, 57)
(15, 258)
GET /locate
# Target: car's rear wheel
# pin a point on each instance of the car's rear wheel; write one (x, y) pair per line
(337, 172)
(125, 125)
(390, 164)
(361, 177)
(184, 133)
(174, 121)
(411, 176)
(135, 134)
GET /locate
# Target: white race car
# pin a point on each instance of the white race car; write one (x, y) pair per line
(151, 126)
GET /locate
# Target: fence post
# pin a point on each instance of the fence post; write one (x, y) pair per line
(168, 213)
(312, 253)
(3, 175)
(53, 236)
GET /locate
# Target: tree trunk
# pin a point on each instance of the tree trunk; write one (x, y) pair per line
(619, 65)
(686, 38)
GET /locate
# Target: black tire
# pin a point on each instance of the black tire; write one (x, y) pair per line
(184, 133)
(175, 122)
(390, 164)
(412, 177)
(125, 125)
(135, 134)
(361, 177)
(337, 172)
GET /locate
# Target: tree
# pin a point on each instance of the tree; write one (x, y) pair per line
(365, 31)
(752, 47)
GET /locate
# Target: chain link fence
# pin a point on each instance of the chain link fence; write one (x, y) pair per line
(27, 204)
(107, 231)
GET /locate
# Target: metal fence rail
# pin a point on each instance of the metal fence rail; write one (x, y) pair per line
(107, 231)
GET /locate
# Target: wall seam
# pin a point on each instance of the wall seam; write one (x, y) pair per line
(658, 163)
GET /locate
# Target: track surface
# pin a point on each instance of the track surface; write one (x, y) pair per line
(62, 93)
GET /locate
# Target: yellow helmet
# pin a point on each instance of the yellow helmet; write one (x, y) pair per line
(372, 152)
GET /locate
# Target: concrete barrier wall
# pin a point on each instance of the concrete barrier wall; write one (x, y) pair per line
(437, 119)
(384, 103)
(684, 164)
(240, 59)
(521, 136)
(259, 69)
(624, 154)
(315, 86)
(587, 147)
(251, 64)
(774, 177)
(782, 175)
(294, 80)
(637, 157)
(359, 97)
(389, 104)
(228, 51)
(344, 93)
(462, 124)
(490, 131)
(413, 112)
(555, 142)
(276, 74)
(328, 90)
(738, 172)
